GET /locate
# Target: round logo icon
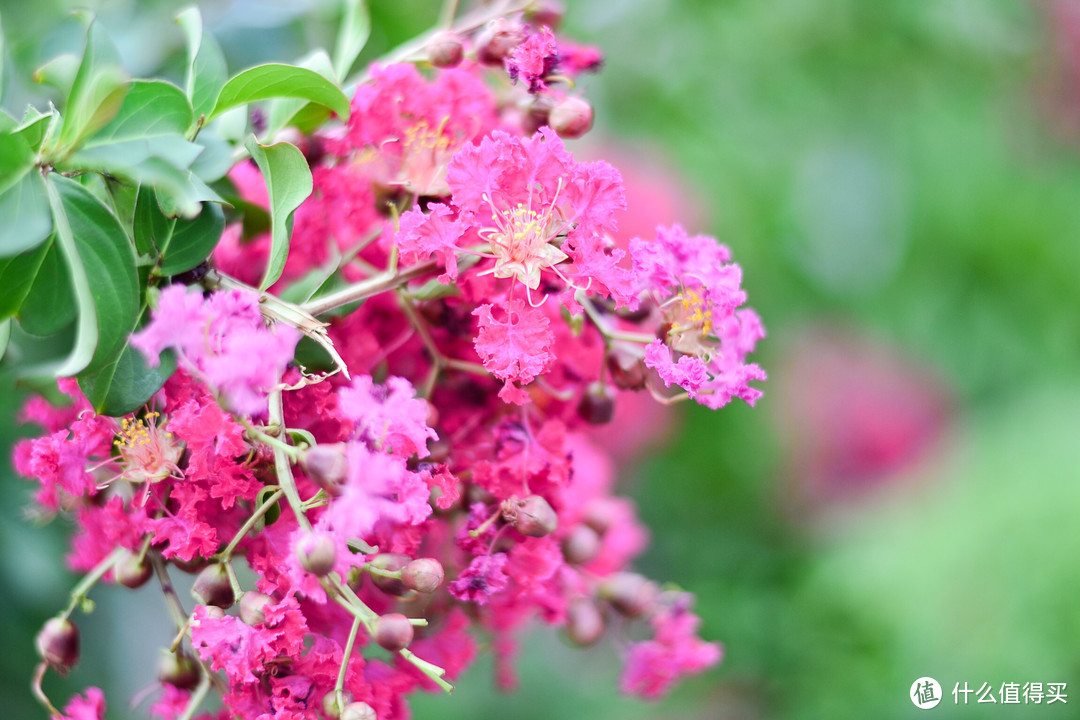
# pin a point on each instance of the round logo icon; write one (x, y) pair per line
(925, 693)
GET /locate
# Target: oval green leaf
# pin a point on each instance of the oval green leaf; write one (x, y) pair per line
(104, 255)
(125, 383)
(275, 80)
(25, 221)
(288, 183)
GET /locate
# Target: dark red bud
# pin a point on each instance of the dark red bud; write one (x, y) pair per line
(178, 669)
(358, 711)
(391, 562)
(571, 117)
(584, 621)
(327, 466)
(193, 565)
(581, 545)
(548, 12)
(251, 607)
(393, 632)
(536, 116)
(597, 405)
(212, 587)
(131, 570)
(627, 370)
(58, 644)
(316, 553)
(445, 49)
(629, 593)
(497, 39)
(532, 516)
(423, 575)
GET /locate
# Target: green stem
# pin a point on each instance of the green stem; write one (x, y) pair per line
(601, 324)
(80, 591)
(282, 466)
(340, 684)
(196, 698)
(226, 554)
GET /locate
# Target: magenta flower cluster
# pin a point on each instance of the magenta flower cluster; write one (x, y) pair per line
(445, 487)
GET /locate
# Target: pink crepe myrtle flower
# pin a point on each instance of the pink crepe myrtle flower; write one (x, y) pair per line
(537, 207)
(89, 706)
(221, 339)
(653, 666)
(697, 289)
(435, 233)
(534, 59)
(514, 345)
(484, 577)
(404, 129)
(389, 415)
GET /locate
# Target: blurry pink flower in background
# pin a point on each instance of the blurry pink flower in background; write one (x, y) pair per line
(854, 416)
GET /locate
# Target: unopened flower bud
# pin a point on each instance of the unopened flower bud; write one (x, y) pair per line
(212, 587)
(358, 711)
(547, 12)
(627, 369)
(584, 621)
(445, 49)
(531, 516)
(597, 405)
(497, 39)
(393, 631)
(423, 575)
(178, 669)
(581, 545)
(251, 607)
(601, 514)
(571, 117)
(58, 644)
(390, 562)
(629, 593)
(327, 466)
(131, 570)
(193, 565)
(316, 553)
(330, 706)
(536, 115)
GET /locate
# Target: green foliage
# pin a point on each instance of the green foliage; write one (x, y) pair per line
(288, 183)
(275, 80)
(109, 195)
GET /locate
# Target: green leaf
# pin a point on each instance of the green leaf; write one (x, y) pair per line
(192, 241)
(284, 110)
(25, 221)
(5, 336)
(216, 159)
(16, 159)
(59, 73)
(95, 246)
(161, 161)
(288, 183)
(17, 275)
(125, 383)
(33, 126)
(206, 70)
(151, 108)
(275, 80)
(96, 93)
(352, 36)
(49, 305)
(179, 244)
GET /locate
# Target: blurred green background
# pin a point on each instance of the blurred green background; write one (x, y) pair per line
(900, 182)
